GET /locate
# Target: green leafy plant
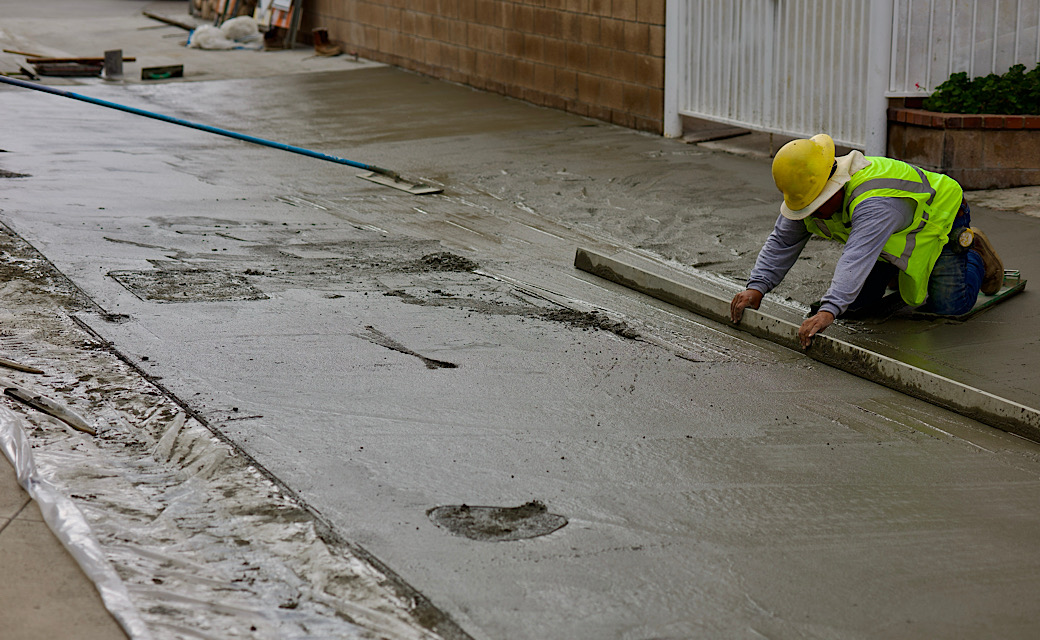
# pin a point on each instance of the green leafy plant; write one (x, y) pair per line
(1017, 92)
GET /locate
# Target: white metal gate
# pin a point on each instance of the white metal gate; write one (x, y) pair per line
(801, 67)
(934, 38)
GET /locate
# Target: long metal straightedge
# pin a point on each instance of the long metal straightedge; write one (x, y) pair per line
(674, 287)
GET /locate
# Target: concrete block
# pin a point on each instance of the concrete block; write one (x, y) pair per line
(601, 62)
(496, 39)
(624, 10)
(590, 28)
(611, 33)
(963, 149)
(555, 52)
(635, 99)
(547, 22)
(656, 46)
(514, 43)
(577, 56)
(523, 18)
(650, 11)
(523, 74)
(570, 27)
(534, 47)
(1012, 149)
(923, 146)
(566, 84)
(623, 66)
(467, 10)
(637, 37)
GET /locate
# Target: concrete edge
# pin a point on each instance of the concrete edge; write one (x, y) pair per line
(681, 289)
(423, 610)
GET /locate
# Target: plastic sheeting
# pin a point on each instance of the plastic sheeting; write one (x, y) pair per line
(169, 521)
(193, 542)
(237, 33)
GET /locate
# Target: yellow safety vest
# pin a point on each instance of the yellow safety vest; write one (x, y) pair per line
(915, 249)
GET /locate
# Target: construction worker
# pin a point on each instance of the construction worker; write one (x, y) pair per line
(896, 221)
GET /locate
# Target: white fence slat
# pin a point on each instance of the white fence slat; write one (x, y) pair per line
(799, 67)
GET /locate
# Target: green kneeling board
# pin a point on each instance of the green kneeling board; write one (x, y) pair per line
(892, 305)
(1013, 284)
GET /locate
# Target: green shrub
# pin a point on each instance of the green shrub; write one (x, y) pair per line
(1016, 92)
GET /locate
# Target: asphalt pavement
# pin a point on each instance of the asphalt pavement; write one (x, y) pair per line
(381, 358)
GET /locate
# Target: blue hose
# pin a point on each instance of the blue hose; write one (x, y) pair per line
(200, 127)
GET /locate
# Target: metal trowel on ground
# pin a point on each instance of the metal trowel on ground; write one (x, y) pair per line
(394, 181)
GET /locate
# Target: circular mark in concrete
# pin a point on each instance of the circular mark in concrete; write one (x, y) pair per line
(497, 524)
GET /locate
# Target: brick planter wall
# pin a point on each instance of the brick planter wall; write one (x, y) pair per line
(979, 151)
(597, 58)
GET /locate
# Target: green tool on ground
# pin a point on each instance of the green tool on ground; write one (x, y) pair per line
(892, 305)
(1013, 285)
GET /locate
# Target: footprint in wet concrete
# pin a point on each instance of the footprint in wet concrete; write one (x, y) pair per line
(497, 524)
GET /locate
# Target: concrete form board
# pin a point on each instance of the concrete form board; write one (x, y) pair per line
(658, 281)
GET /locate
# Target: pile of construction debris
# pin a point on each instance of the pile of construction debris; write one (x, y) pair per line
(211, 25)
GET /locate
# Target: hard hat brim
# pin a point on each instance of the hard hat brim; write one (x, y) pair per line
(846, 166)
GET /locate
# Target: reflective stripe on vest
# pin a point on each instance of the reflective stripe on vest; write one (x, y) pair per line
(901, 261)
(912, 250)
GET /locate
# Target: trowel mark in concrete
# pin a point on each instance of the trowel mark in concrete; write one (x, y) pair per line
(497, 524)
(375, 336)
(583, 320)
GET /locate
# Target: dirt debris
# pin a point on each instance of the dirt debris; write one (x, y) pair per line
(498, 524)
(591, 320)
(446, 261)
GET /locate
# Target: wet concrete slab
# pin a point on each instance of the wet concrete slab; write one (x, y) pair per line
(713, 486)
(838, 347)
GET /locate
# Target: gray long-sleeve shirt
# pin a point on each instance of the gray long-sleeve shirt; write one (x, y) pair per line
(874, 221)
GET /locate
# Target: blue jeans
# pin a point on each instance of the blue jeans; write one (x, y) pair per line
(953, 286)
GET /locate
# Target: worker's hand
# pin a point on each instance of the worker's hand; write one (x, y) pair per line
(747, 298)
(814, 325)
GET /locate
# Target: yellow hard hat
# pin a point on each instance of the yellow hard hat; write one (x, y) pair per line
(801, 169)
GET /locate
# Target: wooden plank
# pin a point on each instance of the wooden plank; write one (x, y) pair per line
(35, 61)
(183, 25)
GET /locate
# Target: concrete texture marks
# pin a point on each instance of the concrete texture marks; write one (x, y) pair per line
(708, 488)
(712, 486)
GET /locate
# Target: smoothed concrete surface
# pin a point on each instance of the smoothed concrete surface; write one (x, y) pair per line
(779, 325)
(714, 486)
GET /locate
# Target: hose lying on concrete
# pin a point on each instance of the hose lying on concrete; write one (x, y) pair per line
(378, 174)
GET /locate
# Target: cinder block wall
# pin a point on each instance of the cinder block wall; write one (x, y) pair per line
(597, 58)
